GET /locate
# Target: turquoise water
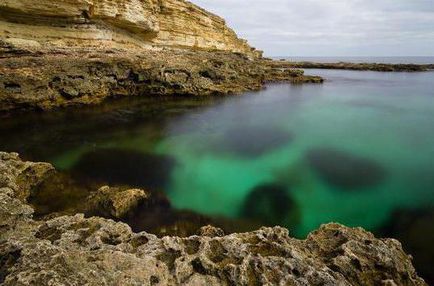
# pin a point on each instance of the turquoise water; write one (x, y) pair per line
(386, 118)
(358, 149)
(352, 150)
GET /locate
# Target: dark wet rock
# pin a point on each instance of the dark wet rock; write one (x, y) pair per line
(270, 204)
(414, 228)
(345, 170)
(60, 193)
(124, 167)
(74, 250)
(252, 141)
(20, 176)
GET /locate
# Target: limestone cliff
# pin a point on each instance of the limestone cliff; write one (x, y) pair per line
(73, 250)
(70, 52)
(122, 23)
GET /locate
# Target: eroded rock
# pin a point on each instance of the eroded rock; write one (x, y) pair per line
(74, 250)
(115, 202)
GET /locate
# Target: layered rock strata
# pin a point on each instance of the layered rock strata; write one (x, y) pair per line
(81, 52)
(117, 23)
(73, 250)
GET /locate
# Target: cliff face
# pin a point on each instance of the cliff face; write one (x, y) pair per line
(122, 23)
(73, 250)
(71, 52)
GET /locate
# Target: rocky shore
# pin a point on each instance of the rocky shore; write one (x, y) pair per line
(85, 51)
(379, 67)
(41, 80)
(82, 53)
(74, 250)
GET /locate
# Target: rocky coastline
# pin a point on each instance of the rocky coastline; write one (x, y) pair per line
(379, 67)
(75, 250)
(83, 53)
(86, 51)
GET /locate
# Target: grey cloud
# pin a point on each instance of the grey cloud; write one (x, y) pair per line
(333, 27)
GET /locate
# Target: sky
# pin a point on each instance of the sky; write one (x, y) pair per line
(331, 27)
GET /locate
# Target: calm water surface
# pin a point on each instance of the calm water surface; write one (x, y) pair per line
(353, 150)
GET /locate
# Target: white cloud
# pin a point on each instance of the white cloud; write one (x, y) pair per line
(332, 27)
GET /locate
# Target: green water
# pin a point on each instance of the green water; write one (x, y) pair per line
(225, 148)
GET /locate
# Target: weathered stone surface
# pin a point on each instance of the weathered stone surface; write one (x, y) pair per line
(122, 23)
(45, 81)
(115, 202)
(20, 177)
(73, 250)
(81, 52)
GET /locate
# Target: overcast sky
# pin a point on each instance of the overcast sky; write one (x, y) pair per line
(331, 27)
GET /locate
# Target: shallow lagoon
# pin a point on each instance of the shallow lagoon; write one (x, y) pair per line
(353, 150)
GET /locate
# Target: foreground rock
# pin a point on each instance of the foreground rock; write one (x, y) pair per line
(380, 67)
(82, 52)
(73, 250)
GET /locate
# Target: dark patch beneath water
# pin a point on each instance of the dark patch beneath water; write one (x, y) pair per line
(252, 141)
(125, 167)
(269, 204)
(345, 170)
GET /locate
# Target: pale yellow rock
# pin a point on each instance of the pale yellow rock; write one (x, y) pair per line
(127, 24)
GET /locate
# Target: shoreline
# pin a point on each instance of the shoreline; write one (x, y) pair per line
(74, 249)
(378, 67)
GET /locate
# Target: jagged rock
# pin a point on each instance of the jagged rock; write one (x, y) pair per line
(115, 202)
(120, 23)
(19, 176)
(84, 51)
(211, 231)
(74, 250)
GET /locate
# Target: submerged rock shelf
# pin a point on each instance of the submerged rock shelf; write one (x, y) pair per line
(77, 250)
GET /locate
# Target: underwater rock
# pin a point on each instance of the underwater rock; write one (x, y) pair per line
(414, 228)
(60, 193)
(125, 167)
(252, 141)
(21, 177)
(345, 170)
(270, 204)
(74, 250)
(115, 202)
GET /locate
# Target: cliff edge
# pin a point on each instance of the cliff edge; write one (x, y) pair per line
(84, 51)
